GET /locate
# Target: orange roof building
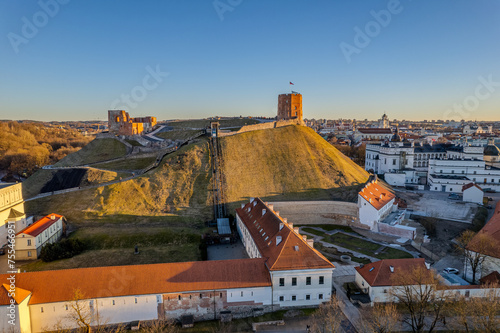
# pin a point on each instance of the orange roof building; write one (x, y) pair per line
(375, 202)
(30, 240)
(120, 294)
(299, 273)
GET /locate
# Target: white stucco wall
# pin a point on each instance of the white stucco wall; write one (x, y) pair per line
(301, 289)
(473, 194)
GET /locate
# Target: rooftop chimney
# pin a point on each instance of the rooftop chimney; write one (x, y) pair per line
(310, 241)
(296, 229)
(285, 220)
(53, 217)
(277, 213)
(270, 206)
(304, 237)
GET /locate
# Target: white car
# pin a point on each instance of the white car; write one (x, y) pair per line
(450, 270)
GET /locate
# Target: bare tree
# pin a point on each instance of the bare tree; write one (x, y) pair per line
(477, 314)
(160, 326)
(419, 292)
(81, 311)
(474, 247)
(327, 318)
(382, 318)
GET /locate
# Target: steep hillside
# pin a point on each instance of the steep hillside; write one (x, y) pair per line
(180, 182)
(96, 151)
(291, 162)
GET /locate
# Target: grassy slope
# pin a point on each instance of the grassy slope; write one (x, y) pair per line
(202, 123)
(34, 184)
(96, 151)
(181, 182)
(290, 163)
(127, 164)
(177, 134)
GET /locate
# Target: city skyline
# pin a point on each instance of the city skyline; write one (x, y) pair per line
(73, 61)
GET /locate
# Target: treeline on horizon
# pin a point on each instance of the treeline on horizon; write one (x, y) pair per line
(26, 147)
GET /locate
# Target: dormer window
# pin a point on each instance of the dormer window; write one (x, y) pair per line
(278, 240)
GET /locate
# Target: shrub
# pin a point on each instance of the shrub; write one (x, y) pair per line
(429, 223)
(66, 248)
(479, 219)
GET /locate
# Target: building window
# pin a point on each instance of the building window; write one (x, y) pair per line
(308, 280)
(294, 298)
(66, 307)
(393, 162)
(321, 280)
(41, 309)
(179, 297)
(113, 302)
(29, 253)
(320, 296)
(475, 172)
(241, 294)
(220, 295)
(294, 281)
(201, 296)
(282, 282)
(308, 297)
(135, 300)
(282, 298)
(29, 242)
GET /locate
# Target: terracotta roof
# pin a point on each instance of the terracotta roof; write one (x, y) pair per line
(96, 282)
(292, 252)
(377, 195)
(379, 273)
(492, 230)
(40, 226)
(492, 278)
(375, 130)
(19, 293)
(468, 186)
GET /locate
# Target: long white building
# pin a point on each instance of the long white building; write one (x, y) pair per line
(284, 271)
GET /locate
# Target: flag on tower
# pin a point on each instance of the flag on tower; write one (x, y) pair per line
(291, 83)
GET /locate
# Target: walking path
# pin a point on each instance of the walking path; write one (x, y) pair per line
(152, 134)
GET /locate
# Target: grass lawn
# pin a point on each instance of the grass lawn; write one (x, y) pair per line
(367, 247)
(96, 151)
(133, 142)
(326, 227)
(177, 134)
(117, 257)
(128, 164)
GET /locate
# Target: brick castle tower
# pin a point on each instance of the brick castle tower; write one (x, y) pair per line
(290, 106)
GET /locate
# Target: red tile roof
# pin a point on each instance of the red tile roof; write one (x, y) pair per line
(41, 225)
(19, 293)
(379, 273)
(492, 230)
(467, 186)
(375, 130)
(96, 282)
(377, 195)
(292, 252)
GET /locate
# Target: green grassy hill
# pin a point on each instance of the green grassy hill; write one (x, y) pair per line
(288, 163)
(96, 151)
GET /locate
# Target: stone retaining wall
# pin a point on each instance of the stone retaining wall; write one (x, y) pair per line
(318, 212)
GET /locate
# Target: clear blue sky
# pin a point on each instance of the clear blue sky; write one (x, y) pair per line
(427, 57)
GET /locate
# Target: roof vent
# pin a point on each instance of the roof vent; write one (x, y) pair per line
(296, 247)
(391, 268)
(370, 200)
(296, 229)
(277, 213)
(263, 212)
(278, 240)
(310, 241)
(281, 225)
(53, 217)
(304, 237)
(371, 269)
(291, 225)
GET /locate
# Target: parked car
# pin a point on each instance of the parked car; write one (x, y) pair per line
(451, 270)
(454, 196)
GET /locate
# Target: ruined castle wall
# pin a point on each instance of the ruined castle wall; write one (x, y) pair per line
(318, 212)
